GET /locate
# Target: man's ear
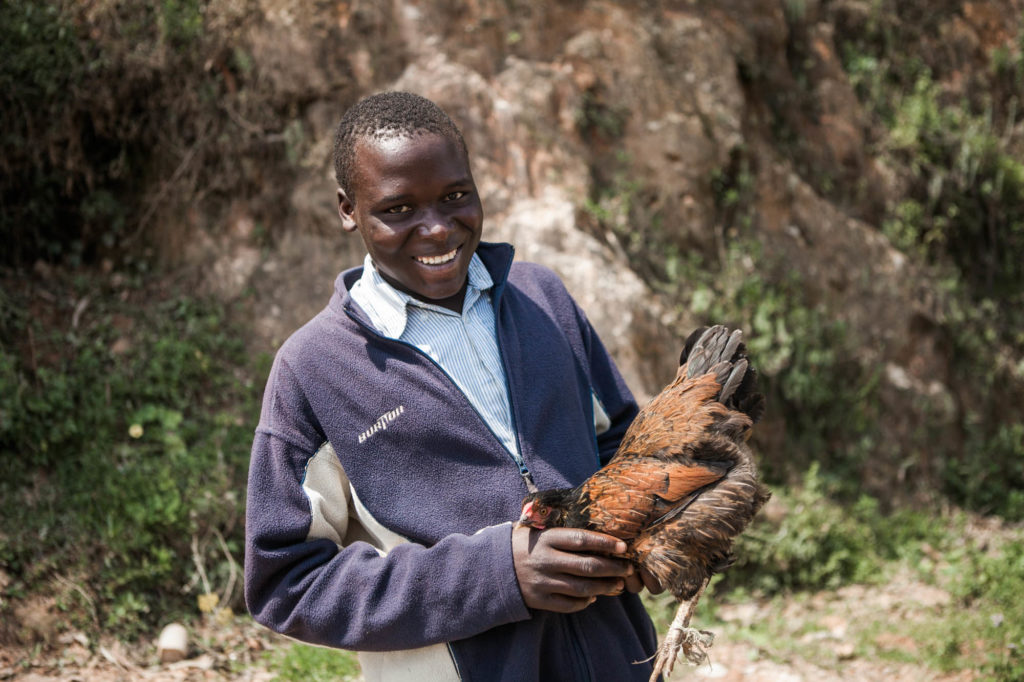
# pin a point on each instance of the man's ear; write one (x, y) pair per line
(347, 211)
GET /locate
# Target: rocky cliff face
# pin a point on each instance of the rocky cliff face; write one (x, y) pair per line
(614, 142)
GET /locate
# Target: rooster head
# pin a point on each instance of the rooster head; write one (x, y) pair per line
(541, 509)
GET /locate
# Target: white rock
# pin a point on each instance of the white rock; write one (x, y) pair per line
(173, 643)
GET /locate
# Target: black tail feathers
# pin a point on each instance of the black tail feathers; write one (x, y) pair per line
(715, 345)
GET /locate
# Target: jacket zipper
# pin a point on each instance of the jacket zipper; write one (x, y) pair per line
(496, 297)
(517, 459)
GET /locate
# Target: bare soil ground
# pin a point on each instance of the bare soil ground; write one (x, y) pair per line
(858, 633)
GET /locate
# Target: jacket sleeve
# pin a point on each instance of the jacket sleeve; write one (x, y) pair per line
(301, 582)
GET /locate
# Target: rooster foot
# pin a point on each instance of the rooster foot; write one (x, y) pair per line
(691, 642)
(681, 637)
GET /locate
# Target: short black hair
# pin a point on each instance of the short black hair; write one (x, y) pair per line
(384, 115)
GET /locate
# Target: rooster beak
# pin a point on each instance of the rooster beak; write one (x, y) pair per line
(524, 521)
(525, 517)
(527, 511)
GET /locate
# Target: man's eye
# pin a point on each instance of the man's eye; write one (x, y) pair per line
(454, 196)
(394, 210)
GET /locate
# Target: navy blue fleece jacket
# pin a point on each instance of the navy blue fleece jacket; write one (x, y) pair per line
(426, 466)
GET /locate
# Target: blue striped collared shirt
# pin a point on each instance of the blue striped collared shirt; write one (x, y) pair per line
(465, 346)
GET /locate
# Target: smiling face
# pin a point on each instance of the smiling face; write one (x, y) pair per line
(416, 207)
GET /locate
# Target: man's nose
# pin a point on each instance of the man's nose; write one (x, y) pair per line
(436, 223)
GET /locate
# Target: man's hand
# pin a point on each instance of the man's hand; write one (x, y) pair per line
(641, 579)
(564, 569)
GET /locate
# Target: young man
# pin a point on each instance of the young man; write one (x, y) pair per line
(402, 426)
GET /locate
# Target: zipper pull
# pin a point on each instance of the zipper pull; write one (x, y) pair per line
(528, 479)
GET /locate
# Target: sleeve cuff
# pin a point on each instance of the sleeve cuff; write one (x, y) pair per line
(506, 581)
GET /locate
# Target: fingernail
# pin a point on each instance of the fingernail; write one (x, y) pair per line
(620, 547)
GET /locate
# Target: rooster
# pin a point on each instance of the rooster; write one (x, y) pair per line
(682, 484)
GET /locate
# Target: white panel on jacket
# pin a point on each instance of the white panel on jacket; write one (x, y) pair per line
(339, 516)
(601, 421)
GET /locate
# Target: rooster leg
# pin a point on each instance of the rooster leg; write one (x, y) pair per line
(681, 636)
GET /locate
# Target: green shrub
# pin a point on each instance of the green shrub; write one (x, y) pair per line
(970, 186)
(42, 63)
(805, 360)
(988, 633)
(304, 663)
(115, 113)
(989, 476)
(818, 543)
(962, 217)
(122, 441)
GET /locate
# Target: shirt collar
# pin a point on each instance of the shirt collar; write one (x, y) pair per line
(387, 307)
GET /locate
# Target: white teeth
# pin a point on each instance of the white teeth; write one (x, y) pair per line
(438, 260)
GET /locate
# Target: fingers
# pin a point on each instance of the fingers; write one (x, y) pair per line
(588, 565)
(578, 540)
(581, 588)
(556, 572)
(642, 579)
(582, 553)
(634, 583)
(652, 585)
(650, 582)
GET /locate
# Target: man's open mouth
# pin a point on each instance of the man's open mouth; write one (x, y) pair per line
(438, 260)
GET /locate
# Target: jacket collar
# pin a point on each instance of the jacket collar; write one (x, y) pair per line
(388, 307)
(496, 257)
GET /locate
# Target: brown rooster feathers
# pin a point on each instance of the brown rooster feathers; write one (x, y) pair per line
(682, 485)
